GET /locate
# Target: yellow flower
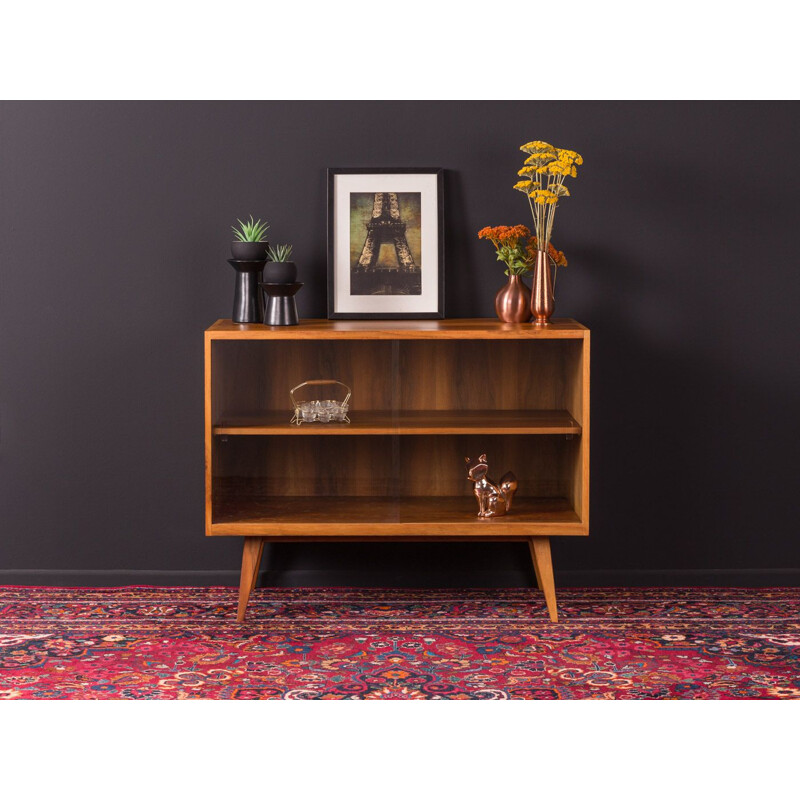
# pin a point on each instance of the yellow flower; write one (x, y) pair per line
(556, 163)
(542, 196)
(540, 159)
(570, 157)
(538, 147)
(562, 168)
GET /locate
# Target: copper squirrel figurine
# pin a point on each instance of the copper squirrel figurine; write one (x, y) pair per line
(494, 499)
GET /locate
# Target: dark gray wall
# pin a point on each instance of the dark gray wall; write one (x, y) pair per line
(681, 235)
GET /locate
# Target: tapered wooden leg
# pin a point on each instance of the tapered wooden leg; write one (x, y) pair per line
(543, 564)
(535, 566)
(258, 564)
(251, 557)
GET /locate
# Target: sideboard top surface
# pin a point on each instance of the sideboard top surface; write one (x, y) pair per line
(399, 329)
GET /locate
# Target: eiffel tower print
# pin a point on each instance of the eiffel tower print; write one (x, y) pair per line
(371, 274)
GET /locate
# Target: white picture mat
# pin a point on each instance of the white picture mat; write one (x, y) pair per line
(426, 184)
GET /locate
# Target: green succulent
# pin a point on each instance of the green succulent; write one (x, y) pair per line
(281, 252)
(251, 231)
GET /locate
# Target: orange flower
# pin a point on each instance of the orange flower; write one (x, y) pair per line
(507, 241)
(504, 234)
(558, 256)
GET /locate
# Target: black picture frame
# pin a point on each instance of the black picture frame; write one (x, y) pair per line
(433, 313)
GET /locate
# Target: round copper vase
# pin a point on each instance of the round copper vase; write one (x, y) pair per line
(512, 302)
(542, 300)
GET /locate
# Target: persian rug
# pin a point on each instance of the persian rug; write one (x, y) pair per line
(338, 644)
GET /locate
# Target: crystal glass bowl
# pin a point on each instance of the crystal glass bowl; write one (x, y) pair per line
(320, 410)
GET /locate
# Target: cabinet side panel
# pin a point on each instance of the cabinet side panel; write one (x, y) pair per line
(209, 439)
(573, 372)
(583, 507)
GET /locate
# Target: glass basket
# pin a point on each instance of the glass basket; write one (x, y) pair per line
(320, 410)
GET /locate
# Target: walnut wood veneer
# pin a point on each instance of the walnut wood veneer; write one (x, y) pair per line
(426, 394)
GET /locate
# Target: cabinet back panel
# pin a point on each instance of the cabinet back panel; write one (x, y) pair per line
(422, 466)
(436, 466)
(311, 465)
(486, 374)
(252, 377)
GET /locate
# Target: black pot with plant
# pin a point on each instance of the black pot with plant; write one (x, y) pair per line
(278, 268)
(250, 244)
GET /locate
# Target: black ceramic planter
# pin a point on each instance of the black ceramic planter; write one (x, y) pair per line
(280, 272)
(248, 302)
(281, 308)
(249, 251)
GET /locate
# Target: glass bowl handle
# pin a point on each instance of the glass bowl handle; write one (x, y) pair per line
(320, 382)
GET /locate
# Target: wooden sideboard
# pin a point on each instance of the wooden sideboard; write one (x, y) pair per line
(426, 394)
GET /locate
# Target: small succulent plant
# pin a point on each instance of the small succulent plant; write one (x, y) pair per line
(281, 252)
(250, 231)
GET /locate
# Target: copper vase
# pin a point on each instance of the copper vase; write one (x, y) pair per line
(542, 300)
(512, 302)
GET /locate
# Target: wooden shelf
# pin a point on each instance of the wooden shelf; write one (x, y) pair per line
(367, 423)
(243, 513)
(316, 329)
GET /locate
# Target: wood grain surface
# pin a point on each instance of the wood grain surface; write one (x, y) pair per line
(318, 329)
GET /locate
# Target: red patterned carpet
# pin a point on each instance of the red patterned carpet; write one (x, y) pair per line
(161, 643)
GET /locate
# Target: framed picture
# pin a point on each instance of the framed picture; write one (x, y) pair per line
(385, 244)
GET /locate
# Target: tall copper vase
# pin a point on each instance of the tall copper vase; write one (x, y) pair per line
(512, 302)
(542, 300)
